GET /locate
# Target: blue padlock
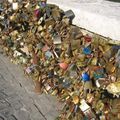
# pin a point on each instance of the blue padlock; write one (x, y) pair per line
(85, 77)
(87, 51)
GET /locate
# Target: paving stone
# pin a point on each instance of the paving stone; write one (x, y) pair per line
(6, 111)
(2, 117)
(12, 97)
(2, 95)
(3, 104)
(51, 115)
(22, 115)
(12, 117)
(17, 98)
(17, 105)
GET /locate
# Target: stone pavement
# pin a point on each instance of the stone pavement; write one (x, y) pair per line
(17, 98)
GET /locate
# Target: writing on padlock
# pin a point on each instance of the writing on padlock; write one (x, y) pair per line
(87, 110)
(15, 5)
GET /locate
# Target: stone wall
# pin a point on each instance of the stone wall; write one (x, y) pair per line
(98, 16)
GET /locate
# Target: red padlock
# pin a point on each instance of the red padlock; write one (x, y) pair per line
(37, 13)
(87, 38)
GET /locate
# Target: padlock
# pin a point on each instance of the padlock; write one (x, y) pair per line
(42, 3)
(48, 11)
(25, 50)
(114, 88)
(90, 98)
(28, 70)
(45, 48)
(87, 110)
(90, 114)
(87, 87)
(118, 58)
(88, 38)
(99, 72)
(40, 45)
(75, 44)
(48, 55)
(69, 14)
(57, 39)
(69, 51)
(56, 14)
(87, 51)
(110, 68)
(94, 61)
(63, 65)
(118, 116)
(75, 33)
(47, 89)
(37, 13)
(15, 5)
(66, 83)
(118, 73)
(9, 42)
(76, 108)
(66, 21)
(57, 52)
(114, 50)
(85, 77)
(107, 52)
(40, 28)
(10, 1)
(102, 62)
(75, 99)
(99, 106)
(55, 92)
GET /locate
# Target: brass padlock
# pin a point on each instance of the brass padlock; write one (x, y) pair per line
(56, 14)
(75, 44)
(75, 99)
(110, 68)
(49, 22)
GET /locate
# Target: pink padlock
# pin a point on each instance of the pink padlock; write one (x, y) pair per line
(37, 13)
(63, 65)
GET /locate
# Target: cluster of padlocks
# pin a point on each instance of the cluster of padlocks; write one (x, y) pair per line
(82, 70)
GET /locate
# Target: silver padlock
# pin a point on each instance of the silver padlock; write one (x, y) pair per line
(69, 14)
(118, 58)
(57, 39)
